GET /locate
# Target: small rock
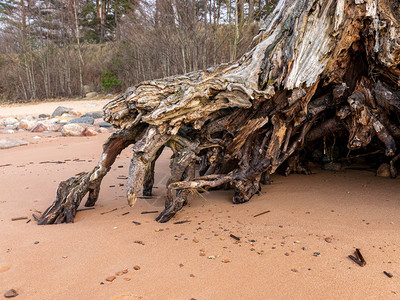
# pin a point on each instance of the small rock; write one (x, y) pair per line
(36, 242)
(68, 115)
(286, 254)
(91, 95)
(225, 261)
(211, 257)
(4, 268)
(192, 275)
(383, 171)
(43, 116)
(136, 268)
(10, 143)
(181, 265)
(89, 132)
(105, 125)
(119, 273)
(125, 271)
(195, 240)
(102, 130)
(41, 127)
(60, 110)
(94, 114)
(328, 240)
(127, 279)
(25, 124)
(294, 270)
(72, 130)
(82, 120)
(10, 121)
(110, 278)
(316, 254)
(11, 293)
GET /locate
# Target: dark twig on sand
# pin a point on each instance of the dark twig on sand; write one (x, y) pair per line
(260, 214)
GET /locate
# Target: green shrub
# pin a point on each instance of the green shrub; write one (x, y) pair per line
(110, 82)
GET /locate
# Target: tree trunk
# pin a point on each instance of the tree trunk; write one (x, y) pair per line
(316, 68)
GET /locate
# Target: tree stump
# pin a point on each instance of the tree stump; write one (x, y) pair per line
(316, 68)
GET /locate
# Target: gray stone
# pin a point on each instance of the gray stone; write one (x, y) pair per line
(383, 171)
(11, 293)
(10, 121)
(105, 125)
(94, 114)
(60, 110)
(10, 143)
(68, 115)
(72, 130)
(83, 120)
(91, 95)
(44, 116)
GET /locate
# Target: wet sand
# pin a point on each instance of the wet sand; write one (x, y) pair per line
(275, 258)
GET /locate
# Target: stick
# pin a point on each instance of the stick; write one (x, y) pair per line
(106, 212)
(35, 217)
(360, 257)
(260, 214)
(137, 223)
(181, 222)
(125, 213)
(52, 162)
(86, 208)
(6, 165)
(356, 260)
(28, 221)
(234, 237)
(19, 218)
(387, 274)
(149, 212)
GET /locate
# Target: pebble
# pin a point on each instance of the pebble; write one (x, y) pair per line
(294, 270)
(37, 242)
(11, 293)
(127, 279)
(192, 275)
(287, 254)
(110, 278)
(316, 253)
(4, 268)
(136, 268)
(328, 240)
(195, 240)
(225, 261)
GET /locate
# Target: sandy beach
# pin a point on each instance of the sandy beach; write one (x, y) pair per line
(298, 250)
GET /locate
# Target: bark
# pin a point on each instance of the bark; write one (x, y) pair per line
(316, 68)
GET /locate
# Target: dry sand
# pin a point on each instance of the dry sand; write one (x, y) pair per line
(71, 261)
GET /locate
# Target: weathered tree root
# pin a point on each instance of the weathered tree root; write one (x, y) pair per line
(71, 192)
(318, 68)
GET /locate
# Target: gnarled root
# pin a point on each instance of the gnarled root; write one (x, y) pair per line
(71, 191)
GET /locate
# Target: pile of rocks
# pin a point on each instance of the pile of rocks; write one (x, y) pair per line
(65, 120)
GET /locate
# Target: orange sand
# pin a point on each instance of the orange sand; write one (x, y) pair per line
(354, 208)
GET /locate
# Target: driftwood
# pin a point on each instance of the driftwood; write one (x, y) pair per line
(317, 68)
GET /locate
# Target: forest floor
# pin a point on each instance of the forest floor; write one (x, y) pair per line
(298, 250)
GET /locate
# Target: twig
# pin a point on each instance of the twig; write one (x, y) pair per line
(149, 212)
(52, 162)
(181, 222)
(356, 260)
(6, 165)
(234, 237)
(106, 212)
(35, 217)
(260, 214)
(137, 223)
(388, 274)
(28, 221)
(19, 218)
(85, 208)
(360, 257)
(125, 213)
